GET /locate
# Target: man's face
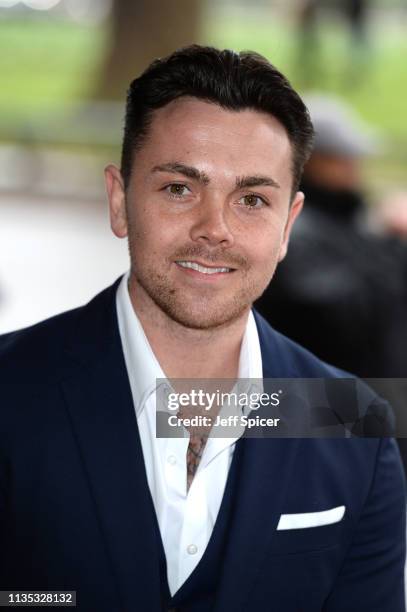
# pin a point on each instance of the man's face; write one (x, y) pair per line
(207, 211)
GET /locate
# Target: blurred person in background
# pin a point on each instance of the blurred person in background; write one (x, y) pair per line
(341, 290)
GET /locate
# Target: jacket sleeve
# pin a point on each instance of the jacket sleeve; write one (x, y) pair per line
(372, 576)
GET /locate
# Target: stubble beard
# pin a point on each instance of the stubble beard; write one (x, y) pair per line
(199, 311)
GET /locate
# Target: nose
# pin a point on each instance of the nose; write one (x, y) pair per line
(211, 225)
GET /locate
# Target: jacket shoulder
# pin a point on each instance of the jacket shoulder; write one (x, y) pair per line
(42, 352)
(38, 347)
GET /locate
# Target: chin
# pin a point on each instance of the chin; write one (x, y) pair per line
(207, 316)
(195, 310)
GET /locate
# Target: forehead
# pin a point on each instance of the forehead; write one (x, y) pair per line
(205, 134)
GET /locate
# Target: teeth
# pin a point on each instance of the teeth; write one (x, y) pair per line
(194, 266)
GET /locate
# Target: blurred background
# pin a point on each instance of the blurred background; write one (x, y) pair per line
(65, 66)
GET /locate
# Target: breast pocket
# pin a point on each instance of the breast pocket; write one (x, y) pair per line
(310, 531)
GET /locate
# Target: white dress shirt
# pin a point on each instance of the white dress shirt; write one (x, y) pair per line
(186, 519)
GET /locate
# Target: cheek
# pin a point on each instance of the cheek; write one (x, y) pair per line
(265, 247)
(141, 227)
(152, 224)
(150, 242)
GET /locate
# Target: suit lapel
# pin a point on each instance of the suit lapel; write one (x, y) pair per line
(101, 408)
(265, 473)
(276, 359)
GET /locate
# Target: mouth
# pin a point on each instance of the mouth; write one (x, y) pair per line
(204, 269)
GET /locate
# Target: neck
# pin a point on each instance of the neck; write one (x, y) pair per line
(183, 352)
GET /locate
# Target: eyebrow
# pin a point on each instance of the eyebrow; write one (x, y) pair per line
(242, 182)
(179, 168)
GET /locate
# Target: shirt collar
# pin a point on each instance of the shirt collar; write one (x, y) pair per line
(142, 365)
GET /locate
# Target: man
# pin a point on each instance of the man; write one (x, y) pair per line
(91, 500)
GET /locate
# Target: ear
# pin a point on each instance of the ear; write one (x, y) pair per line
(117, 202)
(295, 209)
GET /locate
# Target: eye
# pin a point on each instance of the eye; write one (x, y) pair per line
(253, 201)
(177, 190)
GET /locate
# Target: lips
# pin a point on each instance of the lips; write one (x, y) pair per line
(193, 265)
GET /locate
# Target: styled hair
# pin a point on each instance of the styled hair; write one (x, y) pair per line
(234, 81)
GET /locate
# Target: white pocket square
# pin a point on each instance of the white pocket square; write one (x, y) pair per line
(310, 519)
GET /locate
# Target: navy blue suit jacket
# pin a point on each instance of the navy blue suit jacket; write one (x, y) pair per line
(76, 512)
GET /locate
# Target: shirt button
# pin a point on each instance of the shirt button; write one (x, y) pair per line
(192, 549)
(172, 460)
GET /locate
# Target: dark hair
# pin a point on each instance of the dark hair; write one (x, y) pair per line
(234, 81)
